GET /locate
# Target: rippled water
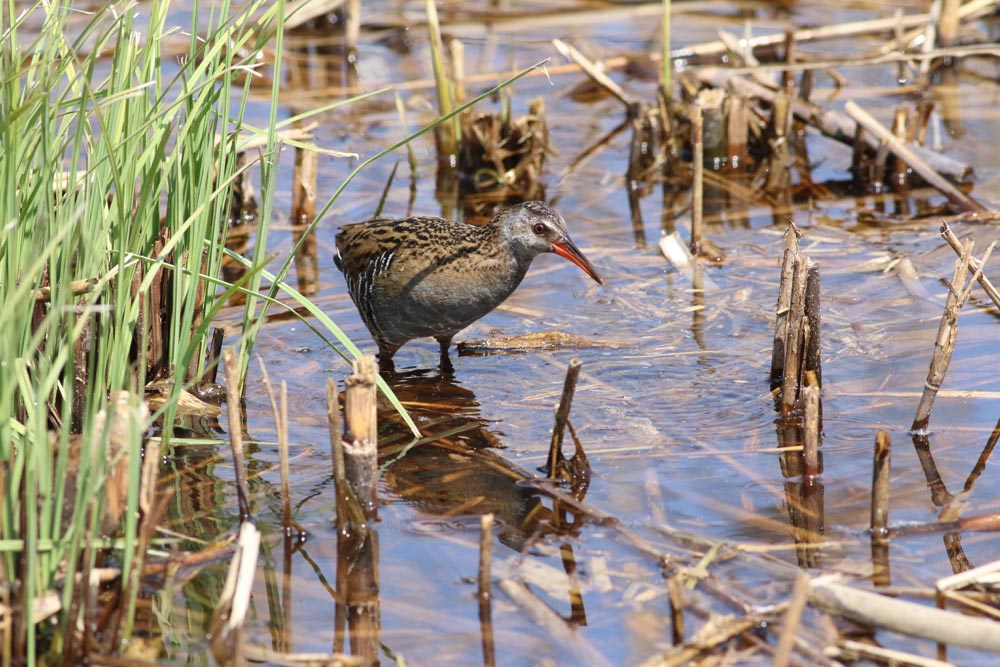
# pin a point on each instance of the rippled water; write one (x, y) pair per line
(678, 422)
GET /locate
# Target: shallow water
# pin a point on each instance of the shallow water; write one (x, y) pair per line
(678, 423)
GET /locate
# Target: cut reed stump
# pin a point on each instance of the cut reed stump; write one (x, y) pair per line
(302, 215)
(880, 509)
(355, 456)
(796, 349)
(485, 589)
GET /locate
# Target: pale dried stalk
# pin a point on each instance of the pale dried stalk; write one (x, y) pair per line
(880, 486)
(974, 265)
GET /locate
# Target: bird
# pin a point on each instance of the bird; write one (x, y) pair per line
(426, 276)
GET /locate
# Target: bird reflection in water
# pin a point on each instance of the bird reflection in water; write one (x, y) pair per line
(456, 470)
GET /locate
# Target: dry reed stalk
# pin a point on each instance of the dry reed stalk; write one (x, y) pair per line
(911, 156)
(783, 307)
(336, 438)
(286, 494)
(235, 414)
(791, 621)
(675, 586)
(227, 622)
(555, 458)
(974, 264)
(352, 30)
(737, 131)
(948, 22)
(712, 635)
(810, 443)
(813, 356)
(833, 124)
(213, 354)
(302, 215)
(361, 445)
(697, 179)
(713, 133)
(779, 178)
(595, 72)
(792, 370)
(485, 588)
(900, 172)
(880, 487)
(456, 66)
(872, 26)
(852, 651)
(279, 409)
(880, 611)
(944, 344)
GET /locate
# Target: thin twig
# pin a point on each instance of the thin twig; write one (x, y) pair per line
(974, 264)
(562, 414)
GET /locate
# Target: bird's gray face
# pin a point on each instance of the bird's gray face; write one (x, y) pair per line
(536, 228)
(533, 226)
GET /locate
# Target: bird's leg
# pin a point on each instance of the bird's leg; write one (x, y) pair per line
(445, 343)
(385, 354)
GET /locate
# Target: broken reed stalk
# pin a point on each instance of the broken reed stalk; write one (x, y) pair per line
(737, 132)
(779, 179)
(303, 213)
(234, 413)
(279, 407)
(880, 487)
(948, 23)
(286, 493)
(810, 443)
(944, 345)
(900, 172)
(333, 421)
(562, 415)
(226, 627)
(813, 358)
(783, 308)
(352, 30)
(485, 593)
(975, 265)
(909, 156)
(870, 26)
(675, 585)
(697, 179)
(361, 444)
(790, 380)
(793, 617)
(596, 73)
(909, 618)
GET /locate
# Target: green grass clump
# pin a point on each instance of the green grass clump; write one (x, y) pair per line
(106, 146)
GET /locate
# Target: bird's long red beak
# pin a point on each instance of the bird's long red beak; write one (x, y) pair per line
(568, 249)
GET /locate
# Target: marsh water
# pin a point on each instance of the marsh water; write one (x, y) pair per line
(673, 406)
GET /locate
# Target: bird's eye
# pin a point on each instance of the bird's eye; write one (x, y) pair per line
(539, 228)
